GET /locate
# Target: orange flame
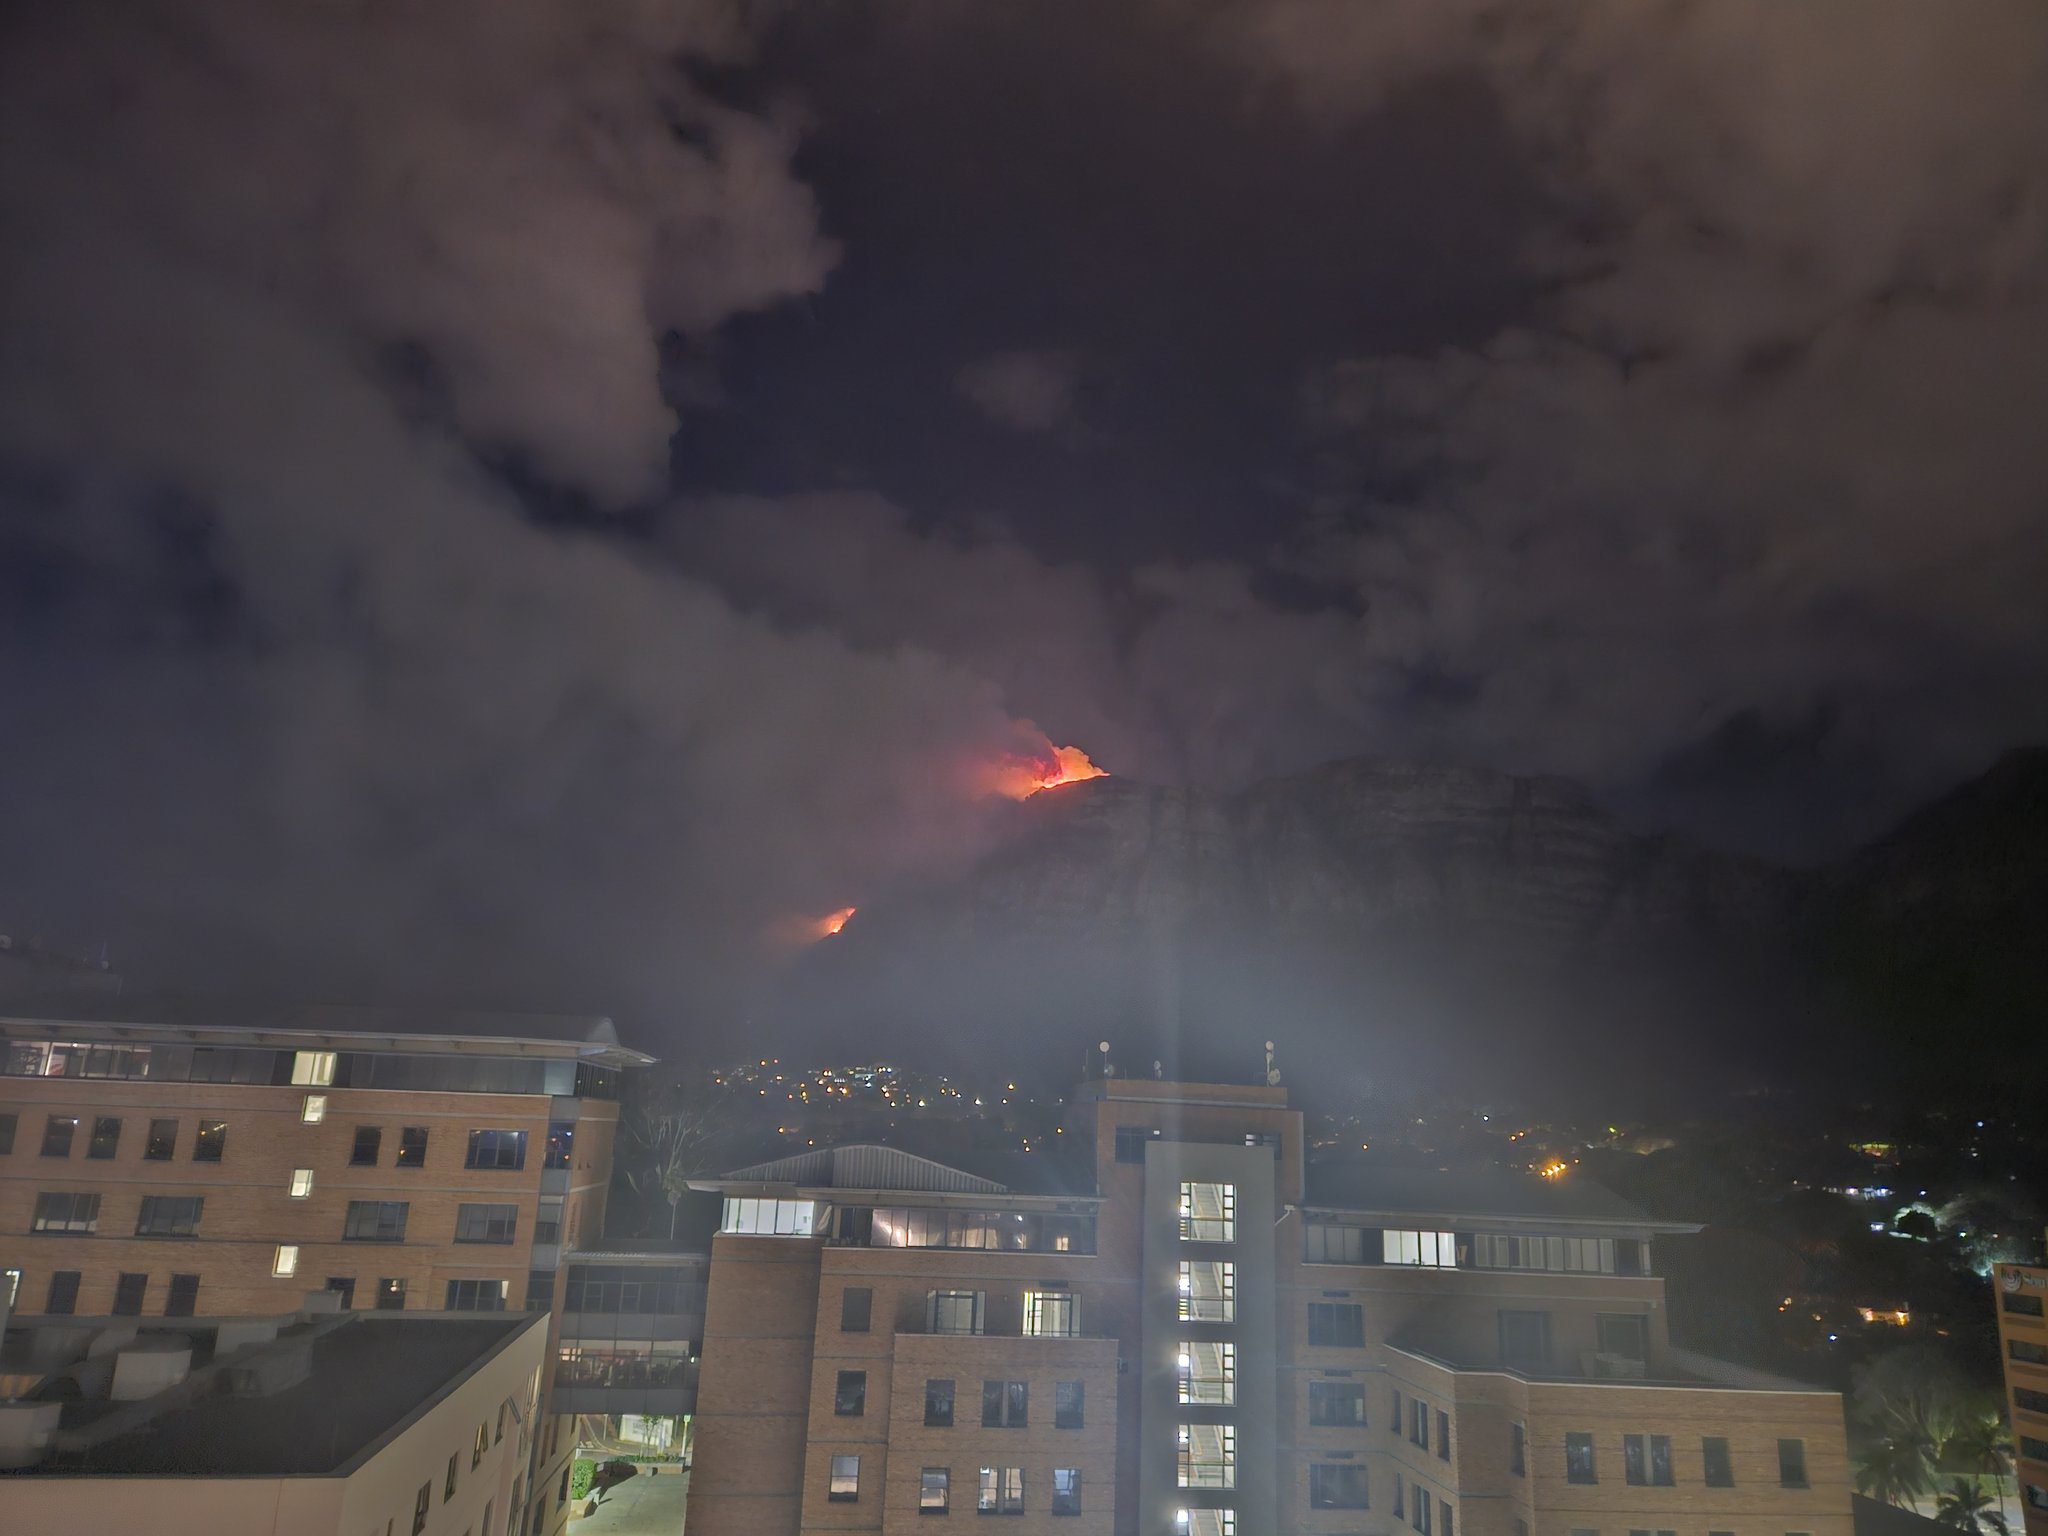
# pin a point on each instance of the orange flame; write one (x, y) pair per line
(832, 922)
(1023, 774)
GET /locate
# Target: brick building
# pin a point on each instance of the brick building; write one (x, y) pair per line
(2022, 1291)
(1189, 1334)
(173, 1170)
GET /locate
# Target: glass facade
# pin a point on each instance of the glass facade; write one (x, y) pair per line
(405, 1070)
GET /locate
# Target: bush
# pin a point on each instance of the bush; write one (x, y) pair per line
(579, 1478)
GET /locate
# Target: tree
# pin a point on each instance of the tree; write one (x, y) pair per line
(669, 1137)
(1965, 1506)
(1977, 1443)
(1893, 1468)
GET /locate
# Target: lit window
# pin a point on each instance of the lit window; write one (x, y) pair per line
(1205, 1522)
(1206, 1455)
(1208, 1291)
(1208, 1371)
(302, 1183)
(1208, 1212)
(934, 1491)
(845, 1479)
(285, 1262)
(312, 1069)
(314, 1109)
(1434, 1250)
(1051, 1315)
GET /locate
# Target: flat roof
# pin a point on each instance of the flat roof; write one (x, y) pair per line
(370, 1376)
(1486, 1192)
(589, 1037)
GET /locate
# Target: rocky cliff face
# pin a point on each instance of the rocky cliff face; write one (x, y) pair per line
(1449, 923)
(1363, 847)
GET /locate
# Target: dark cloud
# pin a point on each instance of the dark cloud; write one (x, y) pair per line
(1645, 393)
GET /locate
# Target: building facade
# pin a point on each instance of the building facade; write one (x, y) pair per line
(160, 1170)
(2022, 1292)
(1192, 1334)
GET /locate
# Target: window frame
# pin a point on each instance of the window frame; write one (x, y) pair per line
(210, 1141)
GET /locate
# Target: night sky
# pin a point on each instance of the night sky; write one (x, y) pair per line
(508, 500)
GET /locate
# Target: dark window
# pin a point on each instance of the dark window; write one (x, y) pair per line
(850, 1396)
(182, 1299)
(106, 1137)
(57, 1133)
(369, 1140)
(2032, 1449)
(1445, 1517)
(162, 1144)
(1418, 1422)
(547, 1225)
(1337, 1323)
(562, 1491)
(1525, 1338)
(1631, 1256)
(1623, 1335)
(2027, 1350)
(343, 1286)
(856, 1303)
(1333, 1486)
(2023, 1397)
(1720, 1470)
(169, 1215)
(1660, 1461)
(2021, 1304)
(1635, 1460)
(448, 1487)
(69, 1211)
(561, 1144)
(1067, 1405)
(1130, 1142)
(1518, 1449)
(1005, 1404)
(845, 1484)
(63, 1300)
(1792, 1463)
(1399, 1510)
(1336, 1402)
(938, 1403)
(496, 1149)
(1578, 1459)
(476, 1295)
(412, 1146)
(375, 1221)
(128, 1292)
(1443, 1435)
(391, 1295)
(482, 1223)
(211, 1141)
(1394, 1419)
(934, 1490)
(540, 1289)
(7, 1125)
(1066, 1490)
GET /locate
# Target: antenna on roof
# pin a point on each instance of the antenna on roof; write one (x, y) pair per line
(1272, 1072)
(1108, 1068)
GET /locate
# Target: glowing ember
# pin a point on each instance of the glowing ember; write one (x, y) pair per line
(1023, 774)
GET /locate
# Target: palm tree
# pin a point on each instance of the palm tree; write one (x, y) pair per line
(1978, 1444)
(1965, 1506)
(1894, 1467)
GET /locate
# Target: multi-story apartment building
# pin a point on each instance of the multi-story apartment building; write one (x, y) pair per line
(2022, 1291)
(1192, 1334)
(157, 1169)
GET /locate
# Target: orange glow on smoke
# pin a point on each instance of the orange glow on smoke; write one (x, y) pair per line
(832, 922)
(1023, 774)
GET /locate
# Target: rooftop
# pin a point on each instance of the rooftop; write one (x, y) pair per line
(1455, 1193)
(585, 1036)
(368, 1376)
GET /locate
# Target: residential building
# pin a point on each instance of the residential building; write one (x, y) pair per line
(2022, 1292)
(445, 1164)
(1185, 1332)
(301, 1424)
